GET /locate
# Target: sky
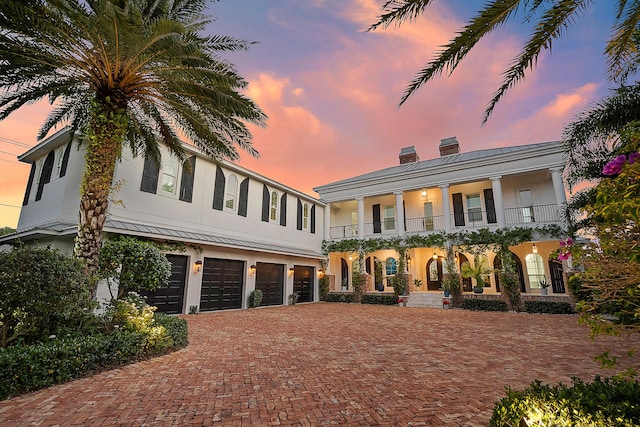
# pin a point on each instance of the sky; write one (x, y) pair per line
(331, 89)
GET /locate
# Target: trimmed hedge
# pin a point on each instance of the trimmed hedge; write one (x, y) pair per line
(32, 367)
(483, 304)
(551, 307)
(339, 297)
(382, 299)
(602, 403)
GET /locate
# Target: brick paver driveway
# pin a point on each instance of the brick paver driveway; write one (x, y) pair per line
(326, 364)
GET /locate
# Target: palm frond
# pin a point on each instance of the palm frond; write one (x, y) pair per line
(399, 11)
(622, 48)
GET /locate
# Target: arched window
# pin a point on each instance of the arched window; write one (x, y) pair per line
(273, 215)
(535, 270)
(231, 193)
(391, 266)
(305, 216)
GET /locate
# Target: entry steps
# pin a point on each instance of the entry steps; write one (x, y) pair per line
(426, 299)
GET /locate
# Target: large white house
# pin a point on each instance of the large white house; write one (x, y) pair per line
(500, 188)
(238, 230)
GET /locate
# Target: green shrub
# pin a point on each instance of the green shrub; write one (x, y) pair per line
(134, 265)
(42, 292)
(382, 299)
(483, 304)
(602, 403)
(399, 285)
(28, 368)
(551, 307)
(339, 297)
(255, 298)
(324, 287)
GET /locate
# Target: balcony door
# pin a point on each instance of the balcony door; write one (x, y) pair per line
(525, 198)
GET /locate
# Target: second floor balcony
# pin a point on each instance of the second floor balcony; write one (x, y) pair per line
(466, 220)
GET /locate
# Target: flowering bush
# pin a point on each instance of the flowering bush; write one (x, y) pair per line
(614, 167)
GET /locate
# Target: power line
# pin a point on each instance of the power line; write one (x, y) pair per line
(10, 206)
(11, 154)
(14, 142)
(12, 161)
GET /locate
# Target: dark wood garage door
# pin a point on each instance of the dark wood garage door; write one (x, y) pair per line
(169, 299)
(222, 282)
(270, 280)
(303, 283)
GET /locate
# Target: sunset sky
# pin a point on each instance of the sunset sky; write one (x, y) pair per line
(331, 90)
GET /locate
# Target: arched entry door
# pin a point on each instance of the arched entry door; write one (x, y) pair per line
(344, 274)
(497, 265)
(467, 285)
(378, 281)
(434, 274)
(557, 278)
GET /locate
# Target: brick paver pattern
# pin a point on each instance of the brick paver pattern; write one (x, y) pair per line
(328, 364)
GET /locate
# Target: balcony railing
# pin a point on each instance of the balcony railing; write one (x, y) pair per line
(529, 215)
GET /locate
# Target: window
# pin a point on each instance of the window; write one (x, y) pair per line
(169, 175)
(389, 218)
(305, 216)
(59, 161)
(231, 193)
(474, 207)
(535, 270)
(391, 267)
(433, 272)
(273, 210)
(354, 223)
(526, 203)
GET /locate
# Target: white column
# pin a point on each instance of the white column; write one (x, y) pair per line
(327, 222)
(558, 186)
(446, 209)
(496, 186)
(360, 217)
(400, 212)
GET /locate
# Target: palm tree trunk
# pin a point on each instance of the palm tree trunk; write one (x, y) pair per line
(104, 137)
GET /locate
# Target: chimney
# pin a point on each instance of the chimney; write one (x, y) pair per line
(408, 155)
(449, 146)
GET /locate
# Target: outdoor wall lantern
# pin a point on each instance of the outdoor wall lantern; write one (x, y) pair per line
(252, 270)
(408, 260)
(534, 249)
(424, 193)
(321, 272)
(435, 255)
(291, 271)
(197, 266)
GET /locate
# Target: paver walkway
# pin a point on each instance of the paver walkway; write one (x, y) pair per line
(326, 364)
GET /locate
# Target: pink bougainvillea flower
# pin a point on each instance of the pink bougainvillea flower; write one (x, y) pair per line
(633, 157)
(614, 167)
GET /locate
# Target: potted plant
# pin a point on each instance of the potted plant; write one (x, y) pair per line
(446, 288)
(476, 272)
(417, 283)
(544, 285)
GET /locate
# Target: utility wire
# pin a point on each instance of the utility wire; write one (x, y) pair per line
(9, 206)
(14, 142)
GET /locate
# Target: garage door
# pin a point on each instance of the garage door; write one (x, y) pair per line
(169, 299)
(270, 280)
(303, 283)
(222, 282)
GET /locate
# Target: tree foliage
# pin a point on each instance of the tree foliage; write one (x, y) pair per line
(133, 265)
(549, 21)
(123, 71)
(42, 292)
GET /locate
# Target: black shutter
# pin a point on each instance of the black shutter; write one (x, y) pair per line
(244, 197)
(149, 176)
(186, 182)
(377, 225)
(265, 203)
(557, 279)
(283, 210)
(299, 216)
(45, 174)
(458, 209)
(65, 160)
(313, 219)
(490, 206)
(218, 191)
(523, 287)
(27, 192)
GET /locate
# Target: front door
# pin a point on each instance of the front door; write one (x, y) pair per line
(557, 277)
(434, 274)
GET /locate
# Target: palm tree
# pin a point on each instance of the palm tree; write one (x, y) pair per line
(551, 19)
(134, 71)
